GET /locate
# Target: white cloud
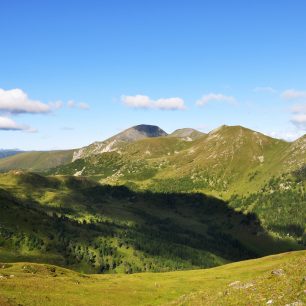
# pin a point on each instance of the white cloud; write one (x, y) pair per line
(292, 94)
(215, 97)
(81, 105)
(144, 102)
(7, 124)
(265, 89)
(16, 101)
(299, 120)
(288, 135)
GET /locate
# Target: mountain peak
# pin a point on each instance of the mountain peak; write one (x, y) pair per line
(187, 134)
(148, 130)
(114, 143)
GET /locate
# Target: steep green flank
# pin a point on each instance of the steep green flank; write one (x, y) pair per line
(36, 161)
(276, 280)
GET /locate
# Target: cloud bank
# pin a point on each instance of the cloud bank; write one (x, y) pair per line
(144, 102)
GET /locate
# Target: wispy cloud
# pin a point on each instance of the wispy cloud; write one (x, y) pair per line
(298, 118)
(288, 135)
(144, 102)
(80, 105)
(215, 97)
(67, 128)
(292, 94)
(265, 89)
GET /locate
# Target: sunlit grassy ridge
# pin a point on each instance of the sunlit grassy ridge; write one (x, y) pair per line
(36, 161)
(231, 159)
(276, 280)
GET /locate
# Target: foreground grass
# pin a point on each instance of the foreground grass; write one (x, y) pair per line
(277, 280)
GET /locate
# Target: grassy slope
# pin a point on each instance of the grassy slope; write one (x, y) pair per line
(36, 161)
(242, 283)
(230, 161)
(60, 219)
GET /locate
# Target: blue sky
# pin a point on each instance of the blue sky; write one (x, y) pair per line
(73, 72)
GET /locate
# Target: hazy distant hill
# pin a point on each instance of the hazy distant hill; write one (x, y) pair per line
(10, 152)
(36, 160)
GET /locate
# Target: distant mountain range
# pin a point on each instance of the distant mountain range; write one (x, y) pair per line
(230, 159)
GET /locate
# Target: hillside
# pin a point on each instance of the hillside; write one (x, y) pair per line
(251, 171)
(116, 142)
(36, 161)
(228, 160)
(276, 280)
(78, 223)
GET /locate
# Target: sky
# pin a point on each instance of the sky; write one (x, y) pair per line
(77, 71)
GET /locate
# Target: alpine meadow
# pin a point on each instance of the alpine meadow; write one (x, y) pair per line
(152, 153)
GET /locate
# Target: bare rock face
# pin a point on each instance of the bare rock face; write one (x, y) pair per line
(278, 272)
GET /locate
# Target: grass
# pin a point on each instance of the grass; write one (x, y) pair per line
(36, 161)
(250, 282)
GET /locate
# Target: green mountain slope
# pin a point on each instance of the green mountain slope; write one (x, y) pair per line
(36, 161)
(80, 224)
(252, 171)
(276, 280)
(228, 160)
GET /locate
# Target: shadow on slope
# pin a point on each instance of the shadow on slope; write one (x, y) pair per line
(78, 223)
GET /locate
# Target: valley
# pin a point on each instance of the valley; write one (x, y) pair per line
(145, 201)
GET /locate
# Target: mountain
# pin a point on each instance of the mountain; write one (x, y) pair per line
(187, 134)
(10, 152)
(221, 161)
(36, 160)
(116, 142)
(42, 160)
(276, 280)
(246, 168)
